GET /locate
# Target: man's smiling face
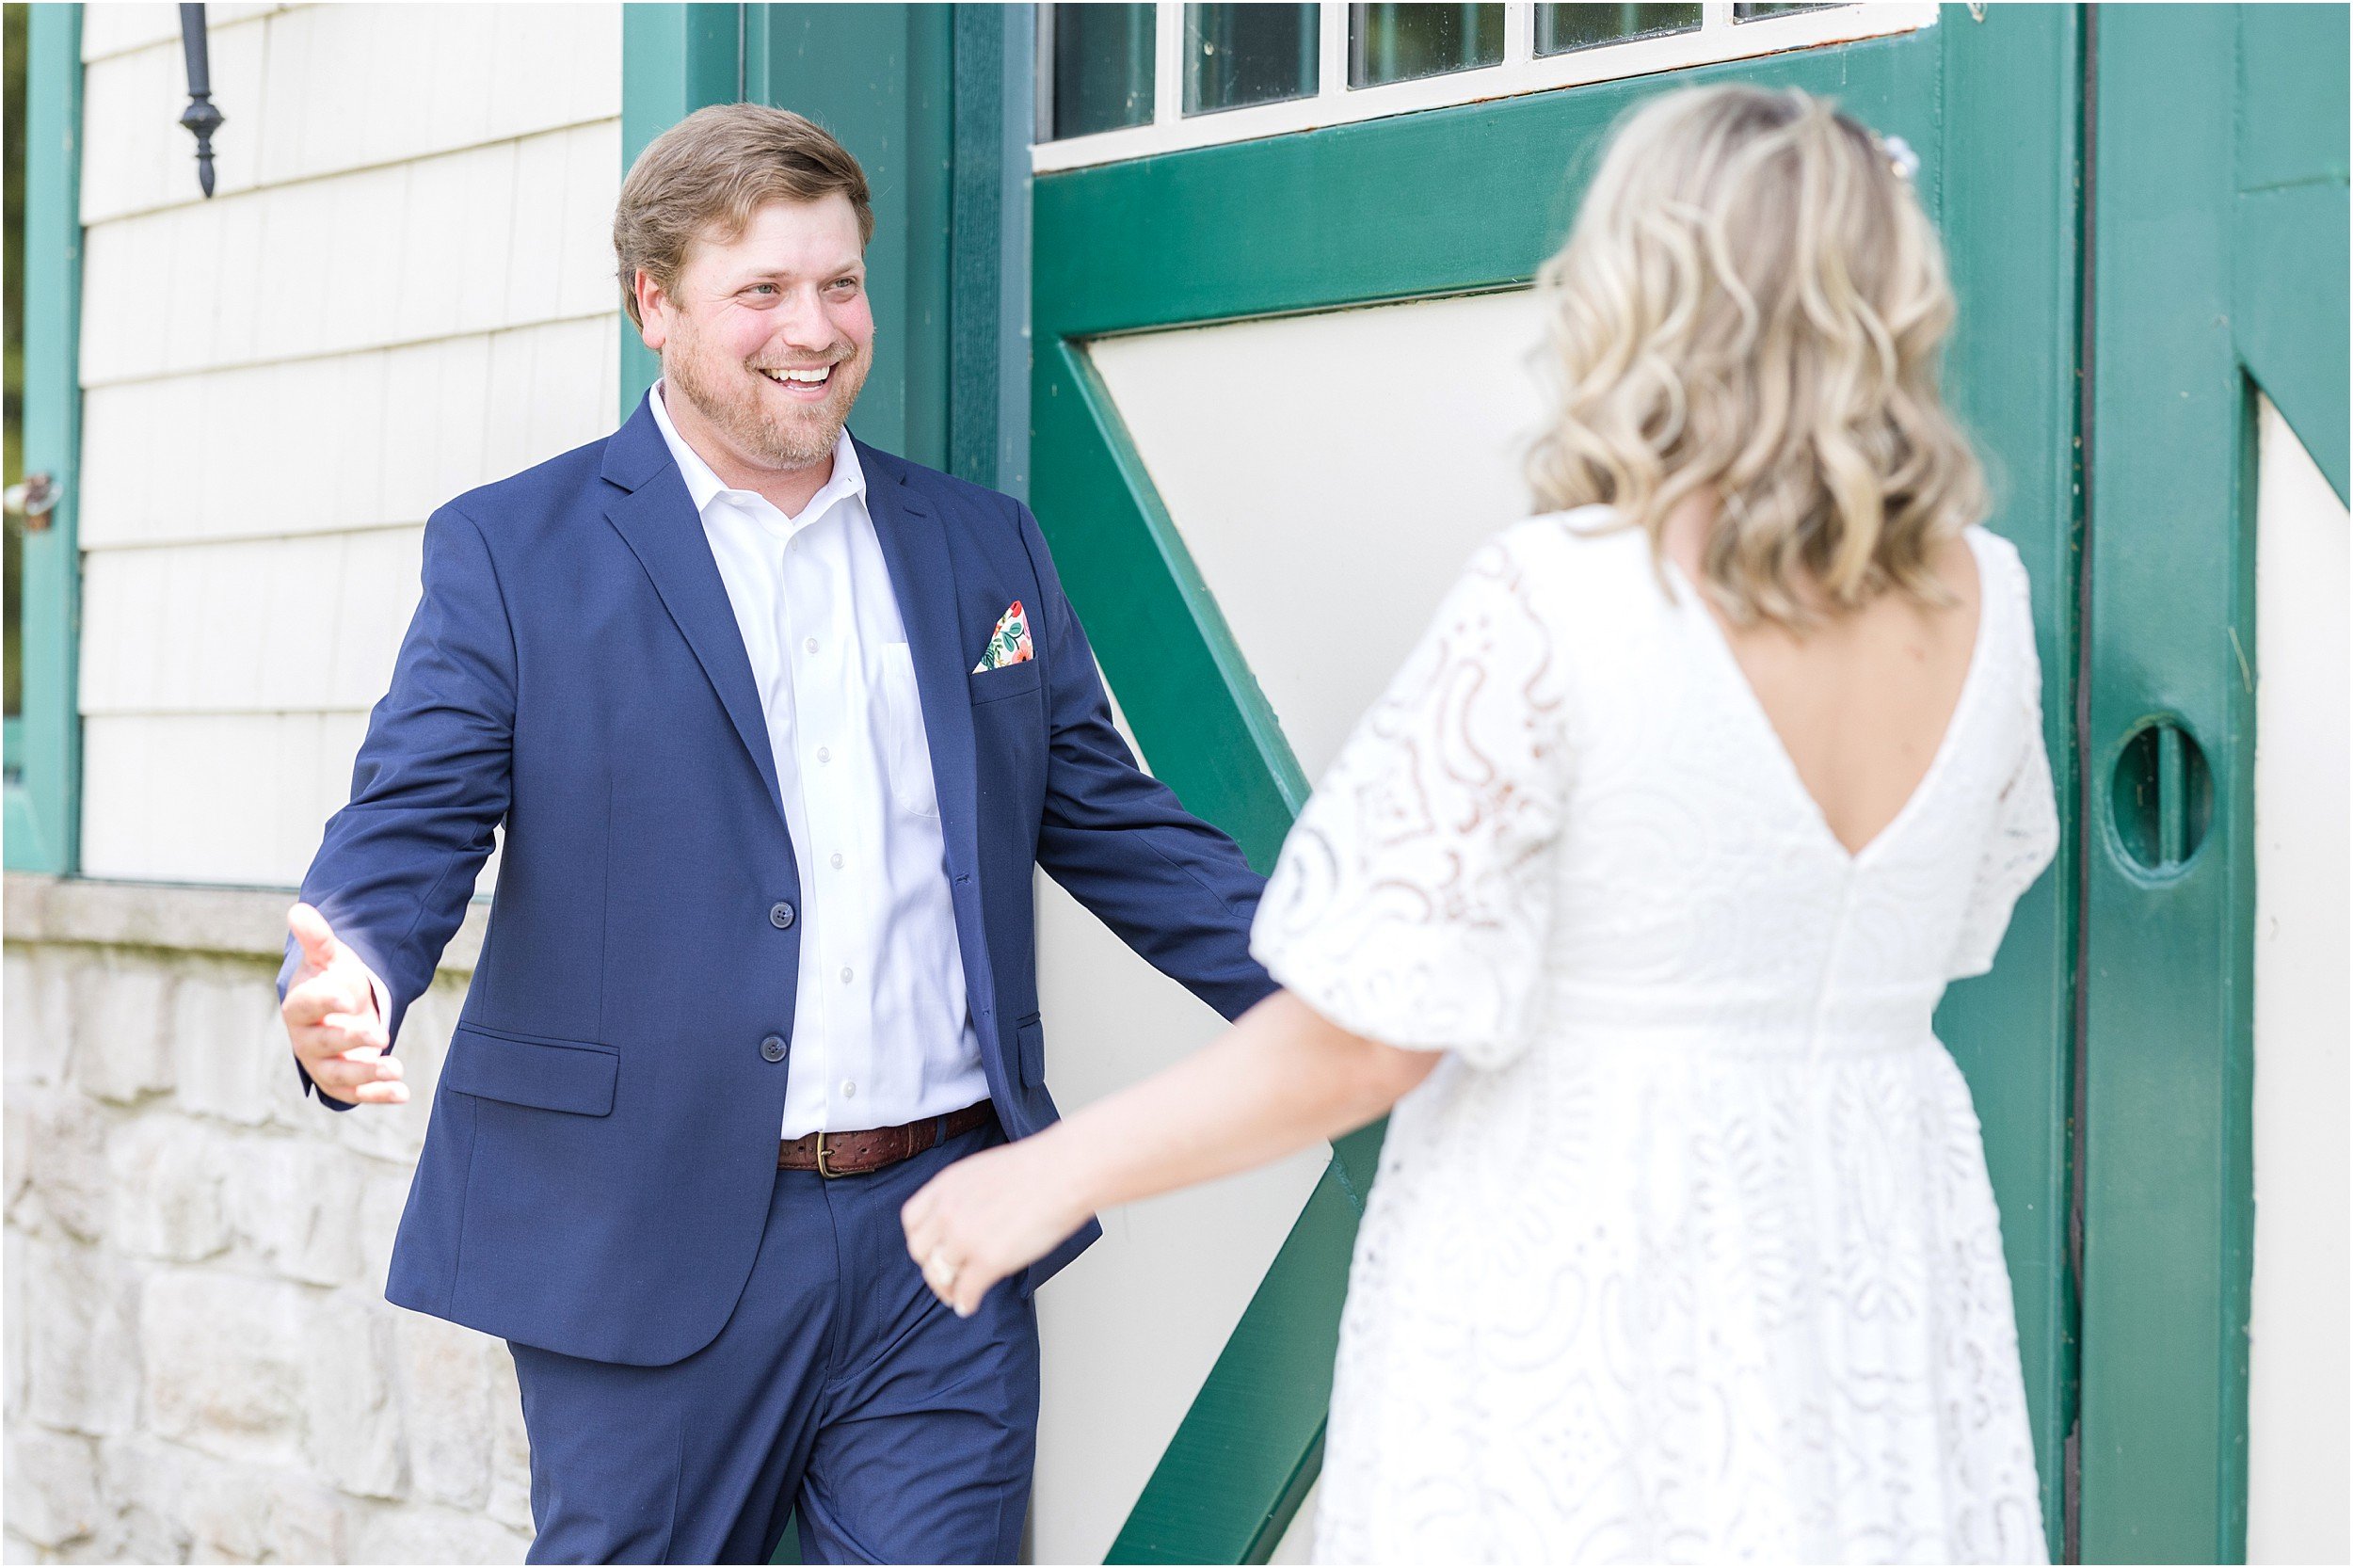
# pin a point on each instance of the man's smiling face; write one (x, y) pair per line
(768, 336)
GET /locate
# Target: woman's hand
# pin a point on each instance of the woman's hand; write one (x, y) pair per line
(983, 1217)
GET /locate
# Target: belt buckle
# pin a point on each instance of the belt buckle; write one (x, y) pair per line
(823, 1169)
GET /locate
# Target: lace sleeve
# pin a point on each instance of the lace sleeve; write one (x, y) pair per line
(2024, 834)
(1412, 900)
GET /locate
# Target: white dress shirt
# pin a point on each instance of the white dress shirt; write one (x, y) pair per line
(880, 1034)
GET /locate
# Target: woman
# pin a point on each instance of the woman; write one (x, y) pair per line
(1635, 895)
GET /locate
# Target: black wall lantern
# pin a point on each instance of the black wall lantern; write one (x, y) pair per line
(201, 118)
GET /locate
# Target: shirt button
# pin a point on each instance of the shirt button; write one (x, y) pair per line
(849, 1090)
(823, 755)
(773, 1047)
(836, 861)
(810, 647)
(845, 975)
(780, 916)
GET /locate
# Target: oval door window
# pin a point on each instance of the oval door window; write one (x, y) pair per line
(2161, 797)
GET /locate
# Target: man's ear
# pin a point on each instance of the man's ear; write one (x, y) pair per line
(652, 301)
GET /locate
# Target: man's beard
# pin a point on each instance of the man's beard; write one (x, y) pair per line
(768, 435)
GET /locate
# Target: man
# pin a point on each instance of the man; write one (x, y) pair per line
(777, 726)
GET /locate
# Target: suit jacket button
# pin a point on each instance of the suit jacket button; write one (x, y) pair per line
(773, 1047)
(780, 915)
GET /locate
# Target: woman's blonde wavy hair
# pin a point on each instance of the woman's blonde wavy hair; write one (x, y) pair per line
(1752, 302)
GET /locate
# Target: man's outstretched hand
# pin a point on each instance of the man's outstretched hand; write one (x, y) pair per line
(331, 1017)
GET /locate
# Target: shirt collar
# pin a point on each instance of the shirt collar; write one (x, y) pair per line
(704, 486)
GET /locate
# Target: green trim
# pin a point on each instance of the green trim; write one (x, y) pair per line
(877, 77)
(1214, 738)
(2013, 221)
(675, 59)
(1229, 1495)
(2289, 266)
(2222, 159)
(988, 383)
(43, 798)
(1308, 222)
(884, 79)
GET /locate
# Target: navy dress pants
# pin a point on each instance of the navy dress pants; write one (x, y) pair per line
(841, 1387)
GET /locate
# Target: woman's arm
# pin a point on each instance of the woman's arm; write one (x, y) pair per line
(1283, 1077)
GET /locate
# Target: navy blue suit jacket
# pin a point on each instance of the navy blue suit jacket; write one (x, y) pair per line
(596, 1173)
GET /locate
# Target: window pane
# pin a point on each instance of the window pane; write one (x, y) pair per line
(1242, 55)
(1397, 43)
(1561, 28)
(1745, 12)
(1102, 68)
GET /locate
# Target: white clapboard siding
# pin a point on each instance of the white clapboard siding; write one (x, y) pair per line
(213, 797)
(314, 90)
(549, 392)
(145, 818)
(403, 290)
(365, 85)
(306, 624)
(135, 153)
(114, 29)
(352, 441)
(504, 235)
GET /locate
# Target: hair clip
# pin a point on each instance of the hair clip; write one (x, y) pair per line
(1900, 157)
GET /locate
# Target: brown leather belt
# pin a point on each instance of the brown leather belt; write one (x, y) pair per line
(842, 1154)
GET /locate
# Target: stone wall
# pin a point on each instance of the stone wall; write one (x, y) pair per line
(199, 1361)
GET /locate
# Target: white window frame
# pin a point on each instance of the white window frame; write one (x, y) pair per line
(1719, 38)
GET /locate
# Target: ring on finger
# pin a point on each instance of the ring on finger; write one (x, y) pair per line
(941, 1270)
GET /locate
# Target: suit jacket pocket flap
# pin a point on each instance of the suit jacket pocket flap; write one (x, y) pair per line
(551, 1075)
(1004, 681)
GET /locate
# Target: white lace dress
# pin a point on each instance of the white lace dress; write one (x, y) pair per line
(1687, 1252)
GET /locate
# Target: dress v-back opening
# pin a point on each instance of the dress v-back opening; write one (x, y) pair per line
(1787, 761)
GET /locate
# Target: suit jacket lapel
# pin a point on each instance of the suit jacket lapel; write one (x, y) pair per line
(656, 517)
(923, 578)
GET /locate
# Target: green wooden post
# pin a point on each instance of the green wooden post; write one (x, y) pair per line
(2007, 196)
(878, 77)
(2219, 264)
(883, 78)
(988, 295)
(2167, 1215)
(44, 762)
(675, 59)
(2288, 236)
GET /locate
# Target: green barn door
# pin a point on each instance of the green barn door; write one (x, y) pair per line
(1466, 200)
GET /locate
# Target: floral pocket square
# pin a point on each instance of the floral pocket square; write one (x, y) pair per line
(1010, 643)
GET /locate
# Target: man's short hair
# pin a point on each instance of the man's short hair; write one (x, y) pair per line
(705, 177)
